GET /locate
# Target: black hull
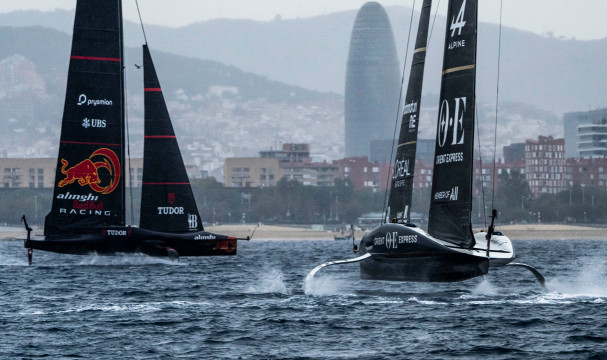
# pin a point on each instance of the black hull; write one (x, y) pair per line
(400, 253)
(114, 240)
(448, 268)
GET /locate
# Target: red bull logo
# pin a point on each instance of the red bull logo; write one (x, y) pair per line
(87, 171)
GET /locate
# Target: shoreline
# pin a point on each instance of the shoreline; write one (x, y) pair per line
(306, 233)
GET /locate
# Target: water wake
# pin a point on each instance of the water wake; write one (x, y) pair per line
(324, 286)
(589, 282)
(125, 259)
(270, 282)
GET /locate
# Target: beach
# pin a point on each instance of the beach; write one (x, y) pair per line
(310, 232)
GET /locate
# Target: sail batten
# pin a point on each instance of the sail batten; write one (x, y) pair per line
(451, 202)
(401, 189)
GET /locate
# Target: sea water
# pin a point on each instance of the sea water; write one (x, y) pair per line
(256, 306)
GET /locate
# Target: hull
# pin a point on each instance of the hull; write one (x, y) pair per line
(405, 253)
(121, 239)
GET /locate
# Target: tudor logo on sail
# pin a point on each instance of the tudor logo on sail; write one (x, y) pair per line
(86, 172)
(451, 128)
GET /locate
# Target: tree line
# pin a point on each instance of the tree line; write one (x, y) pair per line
(290, 202)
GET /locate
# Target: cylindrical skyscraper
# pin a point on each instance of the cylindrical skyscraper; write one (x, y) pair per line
(372, 81)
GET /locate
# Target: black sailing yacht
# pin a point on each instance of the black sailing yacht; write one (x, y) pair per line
(449, 250)
(88, 211)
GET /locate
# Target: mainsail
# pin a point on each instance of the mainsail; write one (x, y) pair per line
(451, 202)
(89, 184)
(402, 179)
(167, 202)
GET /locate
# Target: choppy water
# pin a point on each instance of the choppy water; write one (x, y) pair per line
(253, 306)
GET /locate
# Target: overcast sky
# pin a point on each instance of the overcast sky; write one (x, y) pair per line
(582, 19)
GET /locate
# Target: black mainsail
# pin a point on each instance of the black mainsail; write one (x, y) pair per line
(167, 201)
(404, 166)
(89, 188)
(451, 202)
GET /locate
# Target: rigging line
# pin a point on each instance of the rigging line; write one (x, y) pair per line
(497, 97)
(480, 157)
(432, 28)
(128, 147)
(400, 95)
(141, 22)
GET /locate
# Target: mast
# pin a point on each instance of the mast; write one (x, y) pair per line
(451, 202)
(401, 191)
(89, 186)
(167, 201)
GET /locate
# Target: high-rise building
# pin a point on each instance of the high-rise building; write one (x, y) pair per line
(372, 81)
(545, 165)
(586, 134)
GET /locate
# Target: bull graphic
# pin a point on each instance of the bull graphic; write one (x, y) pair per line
(86, 172)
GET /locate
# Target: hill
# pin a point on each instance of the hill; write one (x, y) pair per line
(559, 75)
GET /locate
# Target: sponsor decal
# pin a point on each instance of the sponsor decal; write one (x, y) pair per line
(85, 212)
(451, 195)
(205, 237)
(407, 239)
(70, 196)
(457, 23)
(193, 221)
(96, 123)
(391, 240)
(83, 100)
(169, 210)
(451, 127)
(171, 198)
(401, 168)
(411, 110)
(114, 232)
(449, 158)
(86, 172)
(92, 205)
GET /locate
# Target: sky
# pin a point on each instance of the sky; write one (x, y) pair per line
(581, 19)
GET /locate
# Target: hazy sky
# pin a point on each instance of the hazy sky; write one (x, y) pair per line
(582, 19)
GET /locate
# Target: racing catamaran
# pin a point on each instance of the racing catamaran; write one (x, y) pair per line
(88, 209)
(449, 250)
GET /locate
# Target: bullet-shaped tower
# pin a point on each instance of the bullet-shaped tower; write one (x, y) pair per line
(372, 81)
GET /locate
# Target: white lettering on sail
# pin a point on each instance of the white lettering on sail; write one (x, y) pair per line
(455, 123)
(459, 22)
(96, 123)
(411, 110)
(451, 195)
(193, 221)
(401, 168)
(167, 210)
(85, 212)
(449, 158)
(84, 100)
(70, 196)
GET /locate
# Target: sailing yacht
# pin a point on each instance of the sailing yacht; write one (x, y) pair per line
(449, 251)
(88, 209)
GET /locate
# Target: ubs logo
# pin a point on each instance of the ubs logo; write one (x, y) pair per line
(451, 127)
